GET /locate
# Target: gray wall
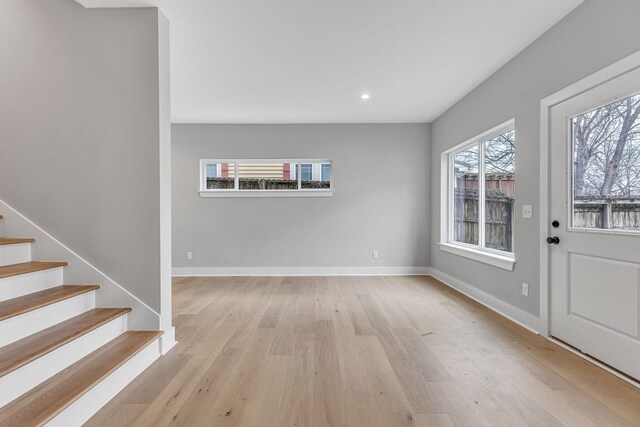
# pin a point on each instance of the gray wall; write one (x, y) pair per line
(595, 35)
(380, 175)
(79, 132)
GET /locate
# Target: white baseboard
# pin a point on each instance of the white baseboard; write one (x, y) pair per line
(521, 317)
(300, 271)
(168, 340)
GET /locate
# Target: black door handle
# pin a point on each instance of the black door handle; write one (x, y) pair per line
(553, 240)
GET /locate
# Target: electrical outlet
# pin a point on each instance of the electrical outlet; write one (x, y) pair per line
(189, 255)
(525, 289)
(527, 211)
(375, 254)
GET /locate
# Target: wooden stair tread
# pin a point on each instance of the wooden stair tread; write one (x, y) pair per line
(42, 403)
(28, 267)
(15, 241)
(28, 349)
(24, 304)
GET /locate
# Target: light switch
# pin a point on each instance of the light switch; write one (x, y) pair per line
(527, 211)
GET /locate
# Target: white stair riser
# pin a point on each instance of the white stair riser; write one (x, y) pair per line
(23, 284)
(15, 254)
(22, 326)
(27, 377)
(86, 406)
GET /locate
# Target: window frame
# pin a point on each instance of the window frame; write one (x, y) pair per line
(217, 172)
(302, 171)
(479, 252)
(237, 192)
(322, 172)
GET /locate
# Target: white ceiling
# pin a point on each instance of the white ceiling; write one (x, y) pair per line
(308, 61)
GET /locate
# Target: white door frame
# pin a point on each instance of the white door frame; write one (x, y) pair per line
(624, 66)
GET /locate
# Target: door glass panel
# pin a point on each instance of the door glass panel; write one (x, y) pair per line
(606, 167)
(500, 186)
(465, 202)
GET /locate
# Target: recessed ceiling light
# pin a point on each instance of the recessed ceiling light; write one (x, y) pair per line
(365, 96)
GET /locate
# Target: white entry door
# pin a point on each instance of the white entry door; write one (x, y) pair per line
(594, 234)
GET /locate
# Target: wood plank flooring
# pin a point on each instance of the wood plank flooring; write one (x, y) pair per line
(359, 351)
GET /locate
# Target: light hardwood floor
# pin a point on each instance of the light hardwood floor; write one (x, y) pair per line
(360, 351)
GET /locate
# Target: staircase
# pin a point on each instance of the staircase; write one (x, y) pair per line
(61, 358)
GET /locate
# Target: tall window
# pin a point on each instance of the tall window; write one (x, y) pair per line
(481, 192)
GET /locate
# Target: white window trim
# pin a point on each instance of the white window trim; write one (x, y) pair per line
(500, 259)
(266, 193)
(481, 255)
(236, 192)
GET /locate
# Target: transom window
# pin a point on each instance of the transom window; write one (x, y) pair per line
(480, 193)
(265, 177)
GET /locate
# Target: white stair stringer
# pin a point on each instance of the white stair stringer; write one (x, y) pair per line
(24, 284)
(18, 327)
(88, 404)
(14, 384)
(15, 254)
(112, 294)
